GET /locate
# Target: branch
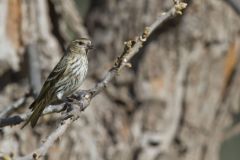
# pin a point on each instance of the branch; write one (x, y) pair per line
(48, 143)
(15, 120)
(84, 98)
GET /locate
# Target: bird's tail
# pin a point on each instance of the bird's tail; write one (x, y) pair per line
(37, 107)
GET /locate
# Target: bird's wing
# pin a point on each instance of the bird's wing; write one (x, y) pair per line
(54, 77)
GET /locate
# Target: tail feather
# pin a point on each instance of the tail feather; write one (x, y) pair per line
(37, 108)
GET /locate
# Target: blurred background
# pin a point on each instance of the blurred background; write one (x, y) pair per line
(179, 101)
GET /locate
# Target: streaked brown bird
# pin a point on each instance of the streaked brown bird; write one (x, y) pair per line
(66, 77)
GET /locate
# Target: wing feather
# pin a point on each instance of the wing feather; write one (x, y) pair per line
(54, 77)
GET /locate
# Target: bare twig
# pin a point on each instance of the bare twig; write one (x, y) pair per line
(15, 120)
(131, 48)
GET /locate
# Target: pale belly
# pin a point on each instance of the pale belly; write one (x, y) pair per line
(69, 85)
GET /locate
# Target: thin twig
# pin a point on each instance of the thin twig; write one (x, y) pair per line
(17, 119)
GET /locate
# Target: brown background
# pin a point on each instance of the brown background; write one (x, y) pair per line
(179, 101)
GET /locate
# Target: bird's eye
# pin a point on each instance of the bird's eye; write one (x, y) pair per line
(80, 43)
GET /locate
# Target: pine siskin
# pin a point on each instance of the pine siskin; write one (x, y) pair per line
(65, 78)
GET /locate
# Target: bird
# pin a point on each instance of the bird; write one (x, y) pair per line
(66, 77)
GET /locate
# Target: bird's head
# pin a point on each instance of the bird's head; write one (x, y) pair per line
(80, 46)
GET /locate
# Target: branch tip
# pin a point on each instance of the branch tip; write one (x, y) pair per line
(179, 7)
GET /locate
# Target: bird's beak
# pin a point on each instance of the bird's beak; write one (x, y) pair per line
(90, 46)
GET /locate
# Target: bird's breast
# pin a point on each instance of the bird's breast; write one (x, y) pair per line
(78, 71)
(74, 76)
(79, 67)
